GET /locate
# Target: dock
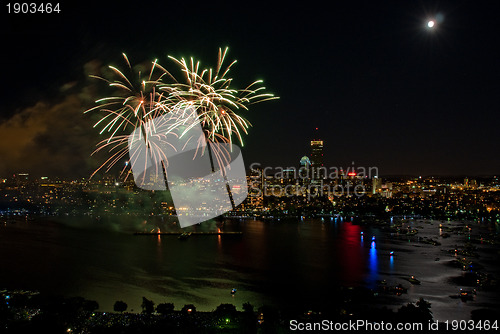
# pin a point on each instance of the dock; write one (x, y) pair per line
(192, 233)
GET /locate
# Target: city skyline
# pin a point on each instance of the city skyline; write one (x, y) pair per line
(314, 160)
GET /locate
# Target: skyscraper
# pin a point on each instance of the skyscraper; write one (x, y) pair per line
(317, 159)
(376, 184)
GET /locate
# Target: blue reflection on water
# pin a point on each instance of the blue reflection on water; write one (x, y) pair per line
(391, 262)
(373, 265)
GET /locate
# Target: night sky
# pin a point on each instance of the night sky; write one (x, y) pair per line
(382, 89)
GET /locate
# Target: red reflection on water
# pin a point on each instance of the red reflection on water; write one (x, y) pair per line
(351, 254)
(219, 244)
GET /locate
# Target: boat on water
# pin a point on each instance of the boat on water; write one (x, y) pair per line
(467, 295)
(398, 290)
(184, 236)
(413, 280)
(464, 295)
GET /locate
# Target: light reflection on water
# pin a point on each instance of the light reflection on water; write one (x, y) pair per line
(373, 265)
(281, 263)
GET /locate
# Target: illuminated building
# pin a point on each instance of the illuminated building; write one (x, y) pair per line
(304, 170)
(317, 159)
(305, 162)
(376, 184)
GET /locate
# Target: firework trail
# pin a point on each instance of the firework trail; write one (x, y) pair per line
(142, 97)
(217, 104)
(135, 102)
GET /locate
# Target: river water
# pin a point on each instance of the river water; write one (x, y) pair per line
(282, 263)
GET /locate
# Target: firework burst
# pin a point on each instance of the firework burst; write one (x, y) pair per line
(136, 100)
(217, 104)
(146, 95)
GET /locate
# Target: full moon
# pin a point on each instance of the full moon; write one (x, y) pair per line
(430, 24)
